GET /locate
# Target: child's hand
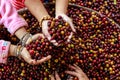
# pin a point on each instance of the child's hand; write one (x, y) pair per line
(56, 76)
(77, 72)
(46, 33)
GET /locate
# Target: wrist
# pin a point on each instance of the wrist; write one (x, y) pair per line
(26, 37)
(60, 14)
(20, 32)
(12, 50)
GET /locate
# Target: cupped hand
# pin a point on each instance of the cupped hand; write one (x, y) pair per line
(46, 33)
(26, 55)
(69, 20)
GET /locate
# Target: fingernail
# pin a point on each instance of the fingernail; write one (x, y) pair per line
(49, 56)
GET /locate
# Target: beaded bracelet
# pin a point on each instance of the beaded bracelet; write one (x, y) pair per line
(18, 50)
(44, 18)
(22, 43)
(24, 39)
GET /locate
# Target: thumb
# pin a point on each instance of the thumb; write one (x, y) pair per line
(70, 36)
(34, 37)
(46, 33)
(26, 56)
(45, 29)
(71, 25)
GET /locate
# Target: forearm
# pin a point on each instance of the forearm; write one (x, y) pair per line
(10, 18)
(37, 8)
(61, 6)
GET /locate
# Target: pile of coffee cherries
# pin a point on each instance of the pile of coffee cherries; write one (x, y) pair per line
(39, 48)
(109, 8)
(60, 60)
(95, 48)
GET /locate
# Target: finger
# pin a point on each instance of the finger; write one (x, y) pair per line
(70, 36)
(25, 55)
(36, 36)
(77, 67)
(29, 40)
(72, 26)
(72, 67)
(52, 77)
(32, 61)
(80, 71)
(57, 76)
(72, 73)
(46, 33)
(70, 77)
(49, 38)
(80, 76)
(54, 42)
(43, 60)
(67, 19)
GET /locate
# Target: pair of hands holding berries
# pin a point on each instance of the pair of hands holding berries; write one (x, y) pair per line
(39, 11)
(25, 53)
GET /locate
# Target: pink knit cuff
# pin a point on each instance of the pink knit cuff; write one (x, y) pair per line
(15, 26)
(4, 48)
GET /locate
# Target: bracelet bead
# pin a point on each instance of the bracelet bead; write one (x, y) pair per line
(22, 43)
(44, 18)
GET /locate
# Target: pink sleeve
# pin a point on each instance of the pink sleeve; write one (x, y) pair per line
(10, 18)
(18, 4)
(4, 48)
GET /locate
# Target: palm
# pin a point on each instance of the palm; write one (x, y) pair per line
(26, 55)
